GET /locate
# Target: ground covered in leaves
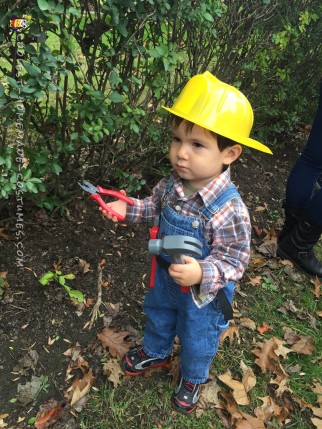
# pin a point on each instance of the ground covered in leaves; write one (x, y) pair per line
(54, 349)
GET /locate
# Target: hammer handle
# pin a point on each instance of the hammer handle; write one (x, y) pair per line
(177, 259)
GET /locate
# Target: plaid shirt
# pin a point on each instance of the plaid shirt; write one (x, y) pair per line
(227, 232)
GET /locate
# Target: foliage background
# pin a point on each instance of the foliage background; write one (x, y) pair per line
(92, 76)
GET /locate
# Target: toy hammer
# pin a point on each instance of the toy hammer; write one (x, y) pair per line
(174, 246)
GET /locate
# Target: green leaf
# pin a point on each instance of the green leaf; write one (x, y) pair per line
(43, 5)
(97, 94)
(30, 49)
(31, 187)
(76, 294)
(27, 175)
(59, 8)
(28, 89)
(55, 19)
(74, 11)
(116, 97)
(31, 69)
(61, 280)
(56, 168)
(208, 17)
(46, 278)
(12, 82)
(69, 276)
(1, 90)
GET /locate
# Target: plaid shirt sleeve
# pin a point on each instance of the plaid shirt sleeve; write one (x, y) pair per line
(230, 233)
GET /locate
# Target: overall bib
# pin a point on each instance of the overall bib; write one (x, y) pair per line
(171, 311)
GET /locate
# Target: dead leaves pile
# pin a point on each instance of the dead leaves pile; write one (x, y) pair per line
(228, 394)
(225, 393)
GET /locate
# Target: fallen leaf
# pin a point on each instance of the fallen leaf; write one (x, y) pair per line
(318, 390)
(231, 333)
(268, 247)
(48, 414)
(27, 392)
(2, 423)
(257, 230)
(317, 412)
(282, 381)
(84, 266)
(304, 346)
(264, 328)
(114, 341)
(268, 409)
(317, 287)
(258, 262)
(210, 394)
(73, 352)
(239, 391)
(281, 350)
(266, 356)
(249, 379)
(113, 371)
(247, 323)
(260, 209)
(4, 235)
(249, 422)
(28, 361)
(80, 387)
(317, 422)
(255, 281)
(288, 306)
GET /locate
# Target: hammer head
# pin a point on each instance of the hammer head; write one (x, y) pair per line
(173, 245)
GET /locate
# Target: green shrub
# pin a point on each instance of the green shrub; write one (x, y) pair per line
(91, 77)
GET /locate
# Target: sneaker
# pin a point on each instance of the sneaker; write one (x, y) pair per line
(186, 396)
(136, 361)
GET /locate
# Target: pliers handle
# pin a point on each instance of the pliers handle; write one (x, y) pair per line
(110, 193)
(97, 191)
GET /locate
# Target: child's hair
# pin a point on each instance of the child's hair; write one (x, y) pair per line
(223, 142)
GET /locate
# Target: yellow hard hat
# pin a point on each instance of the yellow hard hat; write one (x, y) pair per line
(212, 104)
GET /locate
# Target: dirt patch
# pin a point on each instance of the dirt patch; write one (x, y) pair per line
(39, 323)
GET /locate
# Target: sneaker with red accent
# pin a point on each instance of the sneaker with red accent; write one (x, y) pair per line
(186, 396)
(136, 361)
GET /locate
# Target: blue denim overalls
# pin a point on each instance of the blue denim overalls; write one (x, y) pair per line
(171, 312)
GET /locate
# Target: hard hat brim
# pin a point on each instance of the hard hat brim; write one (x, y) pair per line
(247, 141)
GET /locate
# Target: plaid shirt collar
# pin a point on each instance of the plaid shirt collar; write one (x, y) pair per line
(209, 192)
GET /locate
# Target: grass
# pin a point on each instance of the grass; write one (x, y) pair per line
(141, 402)
(146, 402)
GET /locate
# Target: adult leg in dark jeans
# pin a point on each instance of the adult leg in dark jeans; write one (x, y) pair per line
(303, 210)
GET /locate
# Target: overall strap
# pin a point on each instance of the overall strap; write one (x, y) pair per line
(166, 192)
(230, 193)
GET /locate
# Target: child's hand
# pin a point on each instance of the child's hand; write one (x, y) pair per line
(118, 206)
(187, 274)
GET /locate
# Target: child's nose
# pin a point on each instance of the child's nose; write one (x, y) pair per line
(182, 151)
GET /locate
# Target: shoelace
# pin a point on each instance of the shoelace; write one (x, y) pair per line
(141, 353)
(189, 386)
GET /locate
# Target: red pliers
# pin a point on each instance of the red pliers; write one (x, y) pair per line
(95, 192)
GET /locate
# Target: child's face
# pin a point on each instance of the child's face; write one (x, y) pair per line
(195, 155)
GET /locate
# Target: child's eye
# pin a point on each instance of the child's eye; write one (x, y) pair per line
(197, 145)
(175, 139)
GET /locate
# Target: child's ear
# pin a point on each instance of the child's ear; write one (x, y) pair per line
(232, 153)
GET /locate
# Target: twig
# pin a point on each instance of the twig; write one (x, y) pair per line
(95, 312)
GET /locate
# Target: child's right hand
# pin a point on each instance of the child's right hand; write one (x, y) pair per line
(119, 206)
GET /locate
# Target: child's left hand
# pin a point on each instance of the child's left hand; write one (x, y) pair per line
(187, 274)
